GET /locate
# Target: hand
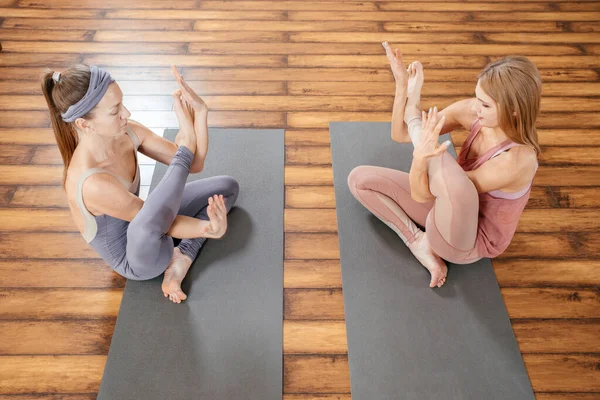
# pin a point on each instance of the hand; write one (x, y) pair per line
(217, 213)
(429, 146)
(397, 65)
(188, 94)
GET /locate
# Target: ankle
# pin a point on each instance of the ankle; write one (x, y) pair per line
(412, 111)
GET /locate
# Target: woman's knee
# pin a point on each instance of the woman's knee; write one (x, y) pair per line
(230, 190)
(357, 177)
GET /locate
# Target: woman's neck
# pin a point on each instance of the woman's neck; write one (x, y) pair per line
(100, 148)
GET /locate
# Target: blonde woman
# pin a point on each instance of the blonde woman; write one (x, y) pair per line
(469, 206)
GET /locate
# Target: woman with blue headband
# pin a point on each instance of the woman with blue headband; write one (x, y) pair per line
(99, 145)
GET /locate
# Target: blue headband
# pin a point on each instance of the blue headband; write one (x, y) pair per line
(99, 82)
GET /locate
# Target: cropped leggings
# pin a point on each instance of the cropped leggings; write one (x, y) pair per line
(450, 221)
(149, 248)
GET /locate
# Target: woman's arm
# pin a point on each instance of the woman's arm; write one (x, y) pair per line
(419, 181)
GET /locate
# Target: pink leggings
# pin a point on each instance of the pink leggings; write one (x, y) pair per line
(450, 220)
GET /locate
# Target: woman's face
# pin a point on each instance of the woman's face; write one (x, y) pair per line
(486, 108)
(110, 115)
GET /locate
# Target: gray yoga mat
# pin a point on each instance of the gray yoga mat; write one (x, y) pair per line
(225, 340)
(405, 340)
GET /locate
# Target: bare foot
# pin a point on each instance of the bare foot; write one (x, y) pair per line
(415, 84)
(435, 265)
(174, 274)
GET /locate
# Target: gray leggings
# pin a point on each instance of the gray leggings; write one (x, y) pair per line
(149, 248)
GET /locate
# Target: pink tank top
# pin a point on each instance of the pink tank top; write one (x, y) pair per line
(499, 211)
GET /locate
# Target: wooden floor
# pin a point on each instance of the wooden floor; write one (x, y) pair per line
(295, 65)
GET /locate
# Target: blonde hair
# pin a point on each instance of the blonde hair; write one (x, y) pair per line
(72, 85)
(515, 84)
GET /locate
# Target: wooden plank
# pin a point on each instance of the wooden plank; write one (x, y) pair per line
(224, 119)
(183, 4)
(36, 220)
(306, 246)
(562, 220)
(434, 16)
(307, 137)
(39, 196)
(25, 273)
(566, 396)
(316, 374)
(548, 137)
(299, 102)
(44, 245)
(55, 303)
(44, 35)
(97, 24)
(6, 195)
(555, 245)
(544, 273)
(584, 26)
(46, 396)
(24, 119)
(313, 155)
(563, 373)
(18, 12)
(321, 155)
(361, 74)
(20, 87)
(303, 175)
(308, 396)
(353, 46)
(36, 60)
(315, 119)
(94, 48)
(556, 336)
(47, 155)
(546, 176)
(316, 246)
(53, 374)
(205, 88)
(30, 175)
(286, 26)
(15, 154)
(192, 36)
(471, 26)
(286, 5)
(329, 374)
(314, 337)
(309, 197)
(566, 197)
(56, 337)
(305, 220)
(541, 197)
(196, 14)
(450, 88)
(312, 274)
(546, 37)
(328, 304)
(456, 6)
(551, 303)
(139, 73)
(531, 220)
(320, 120)
(123, 60)
(313, 304)
(346, 61)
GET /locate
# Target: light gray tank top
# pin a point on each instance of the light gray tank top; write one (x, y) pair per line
(99, 227)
